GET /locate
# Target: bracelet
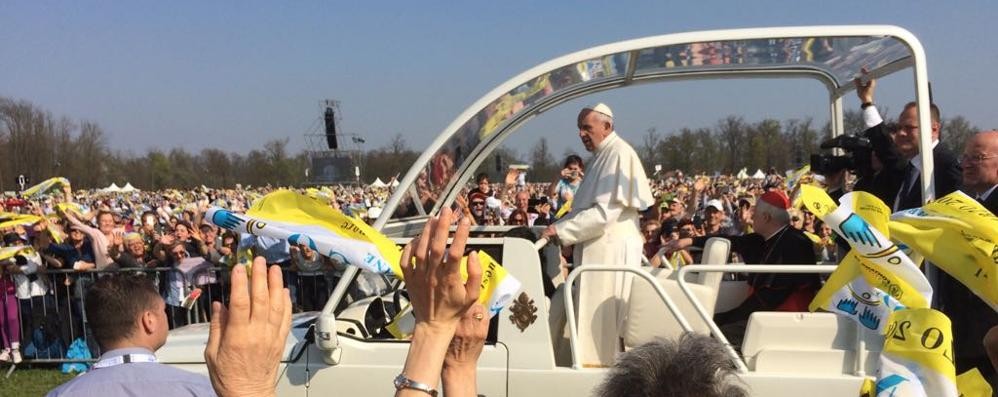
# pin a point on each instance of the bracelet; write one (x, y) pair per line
(401, 382)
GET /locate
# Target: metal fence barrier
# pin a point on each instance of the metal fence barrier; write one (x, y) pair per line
(52, 327)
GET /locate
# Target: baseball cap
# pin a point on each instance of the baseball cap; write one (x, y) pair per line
(715, 204)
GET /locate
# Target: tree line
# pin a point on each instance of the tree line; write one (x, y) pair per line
(39, 145)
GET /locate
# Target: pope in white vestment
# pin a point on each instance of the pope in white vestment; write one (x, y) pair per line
(603, 227)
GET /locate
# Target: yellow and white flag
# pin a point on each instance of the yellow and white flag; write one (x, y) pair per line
(303, 220)
(10, 252)
(62, 208)
(917, 359)
(8, 220)
(882, 263)
(959, 236)
(848, 293)
(46, 186)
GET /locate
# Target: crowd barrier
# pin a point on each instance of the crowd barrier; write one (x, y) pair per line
(53, 328)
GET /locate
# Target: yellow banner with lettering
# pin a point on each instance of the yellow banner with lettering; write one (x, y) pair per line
(959, 236)
(917, 359)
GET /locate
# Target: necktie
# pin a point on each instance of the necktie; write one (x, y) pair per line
(910, 174)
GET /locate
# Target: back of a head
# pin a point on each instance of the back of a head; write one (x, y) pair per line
(693, 366)
(115, 303)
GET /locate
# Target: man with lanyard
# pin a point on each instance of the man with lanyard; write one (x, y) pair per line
(128, 320)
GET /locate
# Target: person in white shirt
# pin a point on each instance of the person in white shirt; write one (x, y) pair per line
(603, 228)
(128, 319)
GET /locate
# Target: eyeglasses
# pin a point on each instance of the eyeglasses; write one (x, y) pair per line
(977, 158)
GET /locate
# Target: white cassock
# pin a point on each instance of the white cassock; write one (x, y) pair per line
(604, 228)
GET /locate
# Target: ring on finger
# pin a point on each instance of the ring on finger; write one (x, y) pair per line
(479, 316)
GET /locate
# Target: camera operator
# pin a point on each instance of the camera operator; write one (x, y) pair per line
(905, 170)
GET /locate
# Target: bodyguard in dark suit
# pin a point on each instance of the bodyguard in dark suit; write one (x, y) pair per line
(898, 151)
(971, 317)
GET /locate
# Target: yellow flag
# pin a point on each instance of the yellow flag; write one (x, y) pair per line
(862, 221)
(63, 207)
(19, 220)
(918, 355)
(10, 252)
(973, 384)
(565, 208)
(300, 219)
(959, 236)
(46, 186)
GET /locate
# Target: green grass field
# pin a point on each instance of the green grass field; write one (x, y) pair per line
(32, 382)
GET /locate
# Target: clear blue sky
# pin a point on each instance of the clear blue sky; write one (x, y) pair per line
(233, 75)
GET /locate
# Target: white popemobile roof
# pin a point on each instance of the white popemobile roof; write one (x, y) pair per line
(832, 55)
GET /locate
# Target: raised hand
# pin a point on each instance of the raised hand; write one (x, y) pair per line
(245, 341)
(865, 90)
(433, 277)
(460, 365)
(439, 296)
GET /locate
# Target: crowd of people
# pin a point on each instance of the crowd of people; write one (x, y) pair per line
(58, 239)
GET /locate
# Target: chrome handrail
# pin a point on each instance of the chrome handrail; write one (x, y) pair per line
(570, 301)
(708, 318)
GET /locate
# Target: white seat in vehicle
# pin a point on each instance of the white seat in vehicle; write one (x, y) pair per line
(647, 316)
(807, 343)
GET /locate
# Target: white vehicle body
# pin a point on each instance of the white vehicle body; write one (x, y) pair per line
(784, 354)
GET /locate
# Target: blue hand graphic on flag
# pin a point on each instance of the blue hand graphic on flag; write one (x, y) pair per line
(869, 319)
(226, 219)
(889, 382)
(857, 230)
(847, 305)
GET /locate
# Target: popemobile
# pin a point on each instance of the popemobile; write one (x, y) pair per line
(532, 348)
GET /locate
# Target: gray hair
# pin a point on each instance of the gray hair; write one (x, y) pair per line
(780, 215)
(693, 366)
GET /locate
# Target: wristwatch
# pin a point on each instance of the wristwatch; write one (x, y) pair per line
(865, 105)
(401, 382)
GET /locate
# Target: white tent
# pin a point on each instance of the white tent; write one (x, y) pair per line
(759, 174)
(742, 174)
(129, 188)
(379, 183)
(113, 188)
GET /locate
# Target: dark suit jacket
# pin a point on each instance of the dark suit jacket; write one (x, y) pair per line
(788, 247)
(948, 179)
(971, 318)
(886, 184)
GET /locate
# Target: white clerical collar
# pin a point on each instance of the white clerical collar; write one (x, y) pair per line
(987, 193)
(917, 160)
(606, 141)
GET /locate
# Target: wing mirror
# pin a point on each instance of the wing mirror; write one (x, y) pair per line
(326, 338)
